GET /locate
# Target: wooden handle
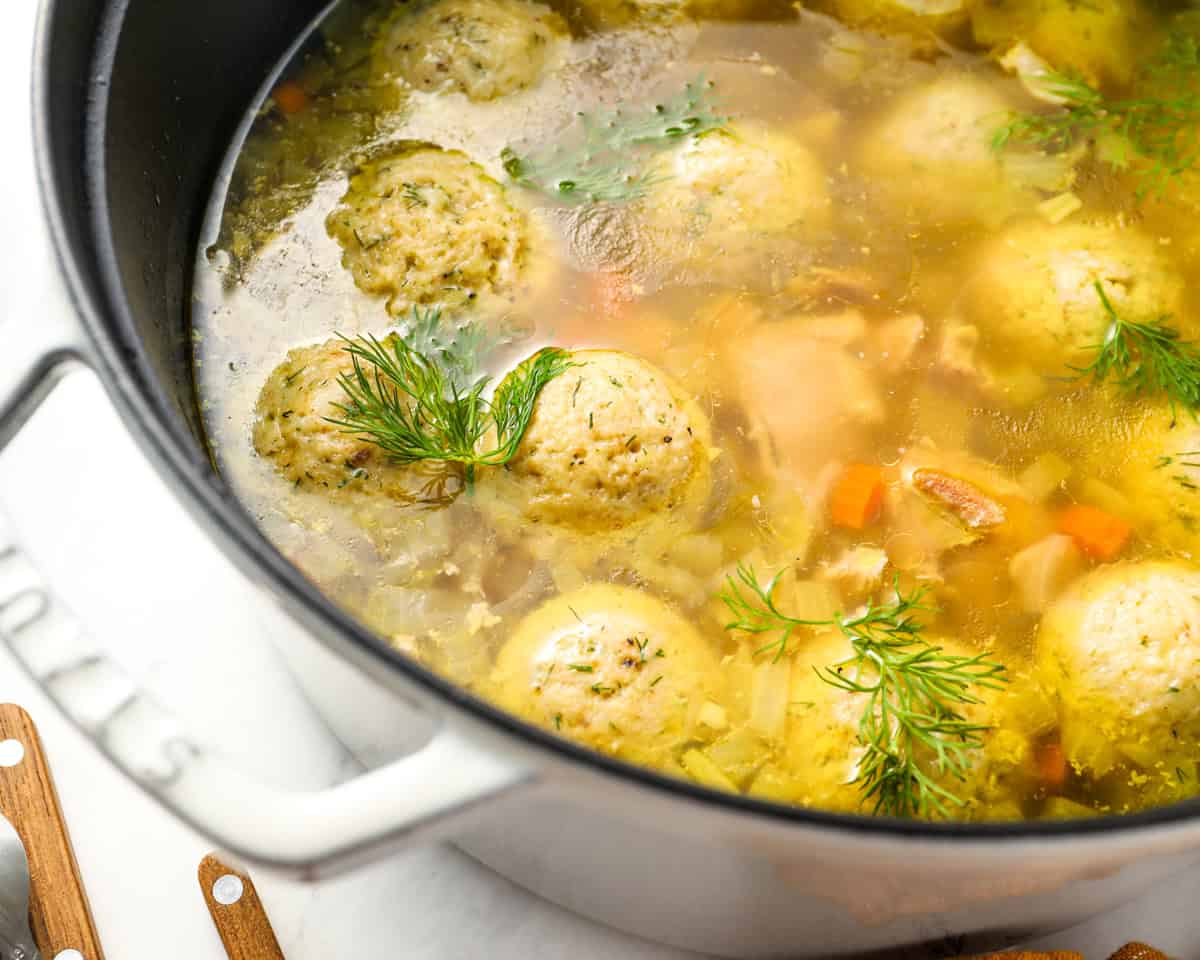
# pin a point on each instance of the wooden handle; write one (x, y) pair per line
(59, 913)
(238, 913)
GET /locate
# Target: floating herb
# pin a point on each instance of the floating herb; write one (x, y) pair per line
(1146, 357)
(914, 736)
(609, 161)
(1156, 131)
(428, 404)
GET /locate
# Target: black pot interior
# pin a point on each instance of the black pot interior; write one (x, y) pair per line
(172, 81)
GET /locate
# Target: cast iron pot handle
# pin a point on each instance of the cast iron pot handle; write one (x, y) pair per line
(308, 833)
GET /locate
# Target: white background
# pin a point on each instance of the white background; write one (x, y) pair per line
(104, 529)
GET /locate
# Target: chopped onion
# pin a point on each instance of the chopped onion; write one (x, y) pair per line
(1062, 808)
(931, 8)
(713, 716)
(1045, 475)
(1100, 494)
(845, 56)
(1058, 208)
(769, 691)
(739, 754)
(1033, 72)
(704, 771)
(810, 599)
(1052, 172)
(1043, 569)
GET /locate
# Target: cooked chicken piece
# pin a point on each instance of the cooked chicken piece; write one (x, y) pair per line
(957, 355)
(896, 340)
(814, 400)
(857, 570)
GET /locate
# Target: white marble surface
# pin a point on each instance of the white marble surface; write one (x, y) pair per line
(101, 525)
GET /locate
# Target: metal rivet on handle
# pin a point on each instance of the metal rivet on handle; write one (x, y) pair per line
(12, 752)
(227, 890)
(67, 954)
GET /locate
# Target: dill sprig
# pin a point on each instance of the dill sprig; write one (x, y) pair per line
(1146, 357)
(752, 605)
(418, 405)
(608, 161)
(460, 350)
(1158, 127)
(914, 735)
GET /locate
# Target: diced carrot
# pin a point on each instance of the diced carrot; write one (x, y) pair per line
(1051, 766)
(857, 497)
(290, 97)
(1098, 534)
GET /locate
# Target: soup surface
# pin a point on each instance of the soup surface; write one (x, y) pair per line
(797, 401)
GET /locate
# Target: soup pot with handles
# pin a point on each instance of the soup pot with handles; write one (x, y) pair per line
(133, 104)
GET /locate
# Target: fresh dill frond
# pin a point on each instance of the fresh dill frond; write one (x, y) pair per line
(461, 350)
(914, 736)
(752, 605)
(1146, 358)
(430, 405)
(1155, 132)
(608, 160)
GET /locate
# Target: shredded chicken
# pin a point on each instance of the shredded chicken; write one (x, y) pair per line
(897, 340)
(956, 357)
(858, 570)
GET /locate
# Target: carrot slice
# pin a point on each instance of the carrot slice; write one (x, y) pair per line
(290, 97)
(1098, 534)
(1051, 766)
(857, 497)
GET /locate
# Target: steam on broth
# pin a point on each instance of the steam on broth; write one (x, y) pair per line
(799, 402)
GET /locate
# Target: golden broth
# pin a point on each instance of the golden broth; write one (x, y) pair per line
(860, 332)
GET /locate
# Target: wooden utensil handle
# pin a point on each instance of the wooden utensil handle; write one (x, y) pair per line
(59, 913)
(237, 912)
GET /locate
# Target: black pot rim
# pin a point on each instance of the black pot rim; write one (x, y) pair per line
(109, 323)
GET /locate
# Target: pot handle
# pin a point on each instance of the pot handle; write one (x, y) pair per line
(310, 834)
(305, 833)
(297, 832)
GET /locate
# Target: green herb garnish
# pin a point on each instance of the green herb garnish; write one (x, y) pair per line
(913, 734)
(609, 162)
(1146, 357)
(1156, 130)
(428, 404)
